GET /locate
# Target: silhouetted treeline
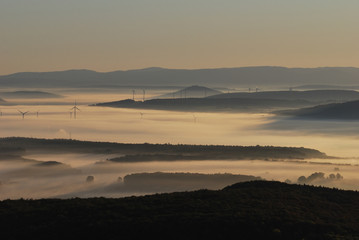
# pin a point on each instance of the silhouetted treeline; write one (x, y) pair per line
(250, 210)
(158, 152)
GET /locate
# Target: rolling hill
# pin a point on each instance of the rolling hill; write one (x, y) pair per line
(240, 101)
(190, 92)
(311, 95)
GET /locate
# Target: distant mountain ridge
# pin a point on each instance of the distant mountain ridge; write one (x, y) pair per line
(29, 94)
(262, 76)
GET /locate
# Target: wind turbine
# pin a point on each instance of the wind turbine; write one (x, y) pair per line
(141, 113)
(23, 114)
(194, 118)
(75, 108)
(37, 113)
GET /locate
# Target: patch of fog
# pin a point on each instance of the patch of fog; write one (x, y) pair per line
(76, 160)
(129, 126)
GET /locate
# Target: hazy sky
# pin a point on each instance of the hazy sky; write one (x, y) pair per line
(105, 35)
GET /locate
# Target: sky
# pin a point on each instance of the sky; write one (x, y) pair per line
(108, 35)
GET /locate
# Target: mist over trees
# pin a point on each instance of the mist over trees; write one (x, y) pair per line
(319, 178)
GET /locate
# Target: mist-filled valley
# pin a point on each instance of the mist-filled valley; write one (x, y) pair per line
(45, 173)
(179, 120)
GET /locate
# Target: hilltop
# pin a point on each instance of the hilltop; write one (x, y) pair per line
(191, 92)
(249, 210)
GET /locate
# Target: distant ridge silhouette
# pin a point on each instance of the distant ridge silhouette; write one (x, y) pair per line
(29, 94)
(334, 111)
(311, 95)
(246, 77)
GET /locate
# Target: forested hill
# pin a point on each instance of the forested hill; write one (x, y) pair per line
(250, 210)
(151, 152)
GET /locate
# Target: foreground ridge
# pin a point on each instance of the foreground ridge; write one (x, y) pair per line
(250, 210)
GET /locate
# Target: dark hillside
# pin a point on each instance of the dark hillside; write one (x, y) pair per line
(335, 111)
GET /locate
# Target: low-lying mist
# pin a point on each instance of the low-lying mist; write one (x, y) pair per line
(67, 175)
(37, 175)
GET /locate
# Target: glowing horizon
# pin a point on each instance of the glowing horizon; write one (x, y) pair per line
(104, 36)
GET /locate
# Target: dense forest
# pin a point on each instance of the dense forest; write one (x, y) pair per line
(250, 210)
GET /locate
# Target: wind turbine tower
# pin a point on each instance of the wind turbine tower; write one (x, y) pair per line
(75, 108)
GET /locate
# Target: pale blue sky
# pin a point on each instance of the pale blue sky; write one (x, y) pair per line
(105, 35)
